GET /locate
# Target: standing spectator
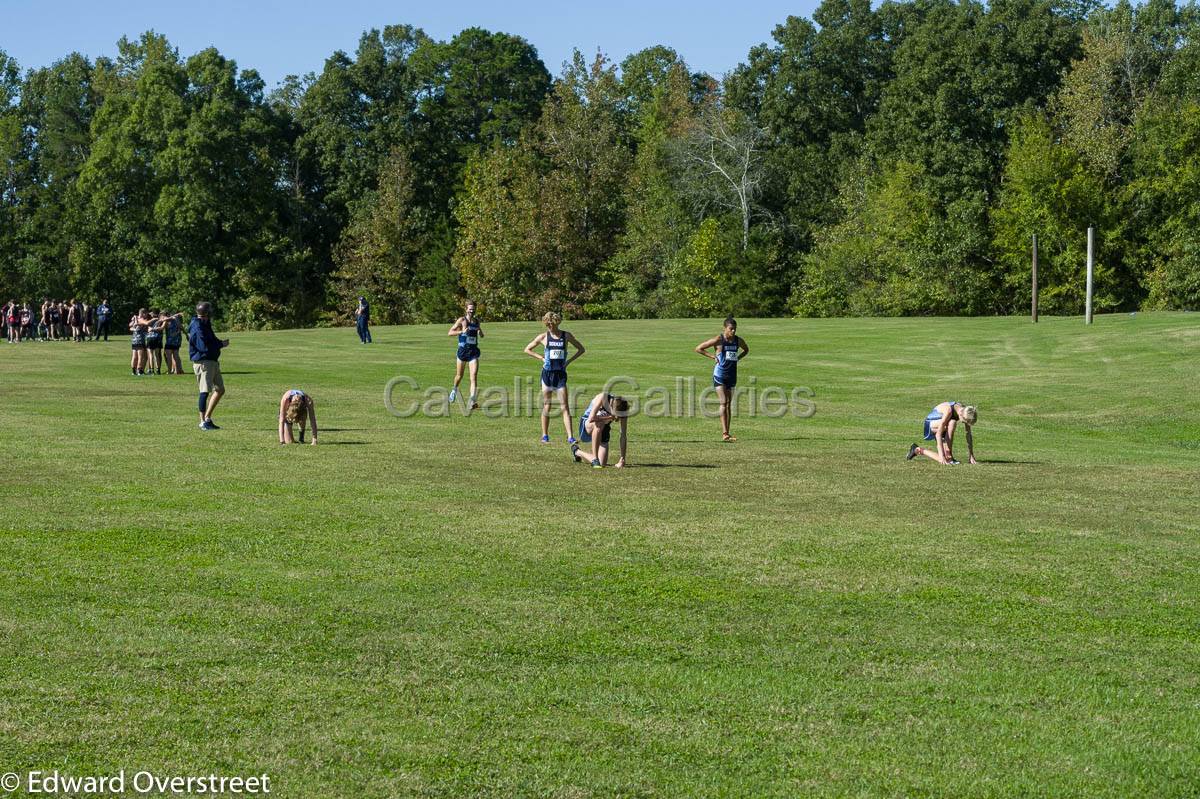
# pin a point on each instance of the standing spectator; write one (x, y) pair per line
(362, 316)
(73, 320)
(204, 348)
(54, 312)
(103, 316)
(27, 326)
(88, 314)
(12, 317)
(44, 320)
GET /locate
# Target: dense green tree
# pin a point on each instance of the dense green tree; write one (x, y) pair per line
(477, 88)
(498, 252)
(57, 106)
(1048, 191)
(657, 222)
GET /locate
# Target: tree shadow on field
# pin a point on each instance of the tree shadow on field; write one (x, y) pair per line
(826, 438)
(674, 466)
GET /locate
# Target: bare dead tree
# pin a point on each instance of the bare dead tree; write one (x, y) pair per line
(720, 164)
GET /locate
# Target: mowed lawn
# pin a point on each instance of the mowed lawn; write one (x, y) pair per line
(446, 607)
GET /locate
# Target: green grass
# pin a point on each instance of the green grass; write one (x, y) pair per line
(444, 607)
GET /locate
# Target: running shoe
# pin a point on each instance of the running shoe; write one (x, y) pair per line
(912, 452)
(453, 394)
(575, 453)
(545, 439)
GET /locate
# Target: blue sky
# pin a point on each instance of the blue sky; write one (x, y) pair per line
(278, 38)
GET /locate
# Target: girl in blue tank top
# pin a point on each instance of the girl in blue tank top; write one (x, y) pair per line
(469, 330)
(940, 425)
(728, 349)
(554, 360)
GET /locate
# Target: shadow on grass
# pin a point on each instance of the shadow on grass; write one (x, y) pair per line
(673, 466)
(1023, 463)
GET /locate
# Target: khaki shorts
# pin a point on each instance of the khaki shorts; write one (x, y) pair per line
(208, 376)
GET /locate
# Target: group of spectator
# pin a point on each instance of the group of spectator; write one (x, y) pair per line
(55, 320)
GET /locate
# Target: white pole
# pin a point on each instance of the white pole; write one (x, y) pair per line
(1090, 271)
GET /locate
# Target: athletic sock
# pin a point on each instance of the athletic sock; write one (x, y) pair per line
(203, 404)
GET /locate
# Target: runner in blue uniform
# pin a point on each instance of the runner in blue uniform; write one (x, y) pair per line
(940, 426)
(296, 406)
(595, 428)
(728, 350)
(469, 331)
(554, 370)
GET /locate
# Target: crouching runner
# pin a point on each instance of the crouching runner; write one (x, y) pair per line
(595, 429)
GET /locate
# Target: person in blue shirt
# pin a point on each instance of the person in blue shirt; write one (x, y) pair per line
(204, 348)
(469, 331)
(728, 349)
(103, 317)
(940, 426)
(554, 370)
(362, 320)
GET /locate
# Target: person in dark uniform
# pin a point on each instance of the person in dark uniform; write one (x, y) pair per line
(139, 326)
(469, 331)
(554, 370)
(595, 428)
(728, 350)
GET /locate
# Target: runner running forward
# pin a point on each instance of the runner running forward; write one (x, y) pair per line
(469, 331)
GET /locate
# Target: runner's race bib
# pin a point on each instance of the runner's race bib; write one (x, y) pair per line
(557, 355)
(471, 339)
(731, 356)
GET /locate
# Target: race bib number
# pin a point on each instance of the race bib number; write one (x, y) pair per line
(731, 356)
(557, 355)
(471, 339)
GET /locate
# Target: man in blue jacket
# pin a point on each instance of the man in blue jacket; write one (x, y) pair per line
(103, 317)
(204, 348)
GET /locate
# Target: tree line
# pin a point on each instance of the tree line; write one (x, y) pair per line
(870, 161)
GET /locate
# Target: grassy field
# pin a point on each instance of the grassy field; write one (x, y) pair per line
(446, 607)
